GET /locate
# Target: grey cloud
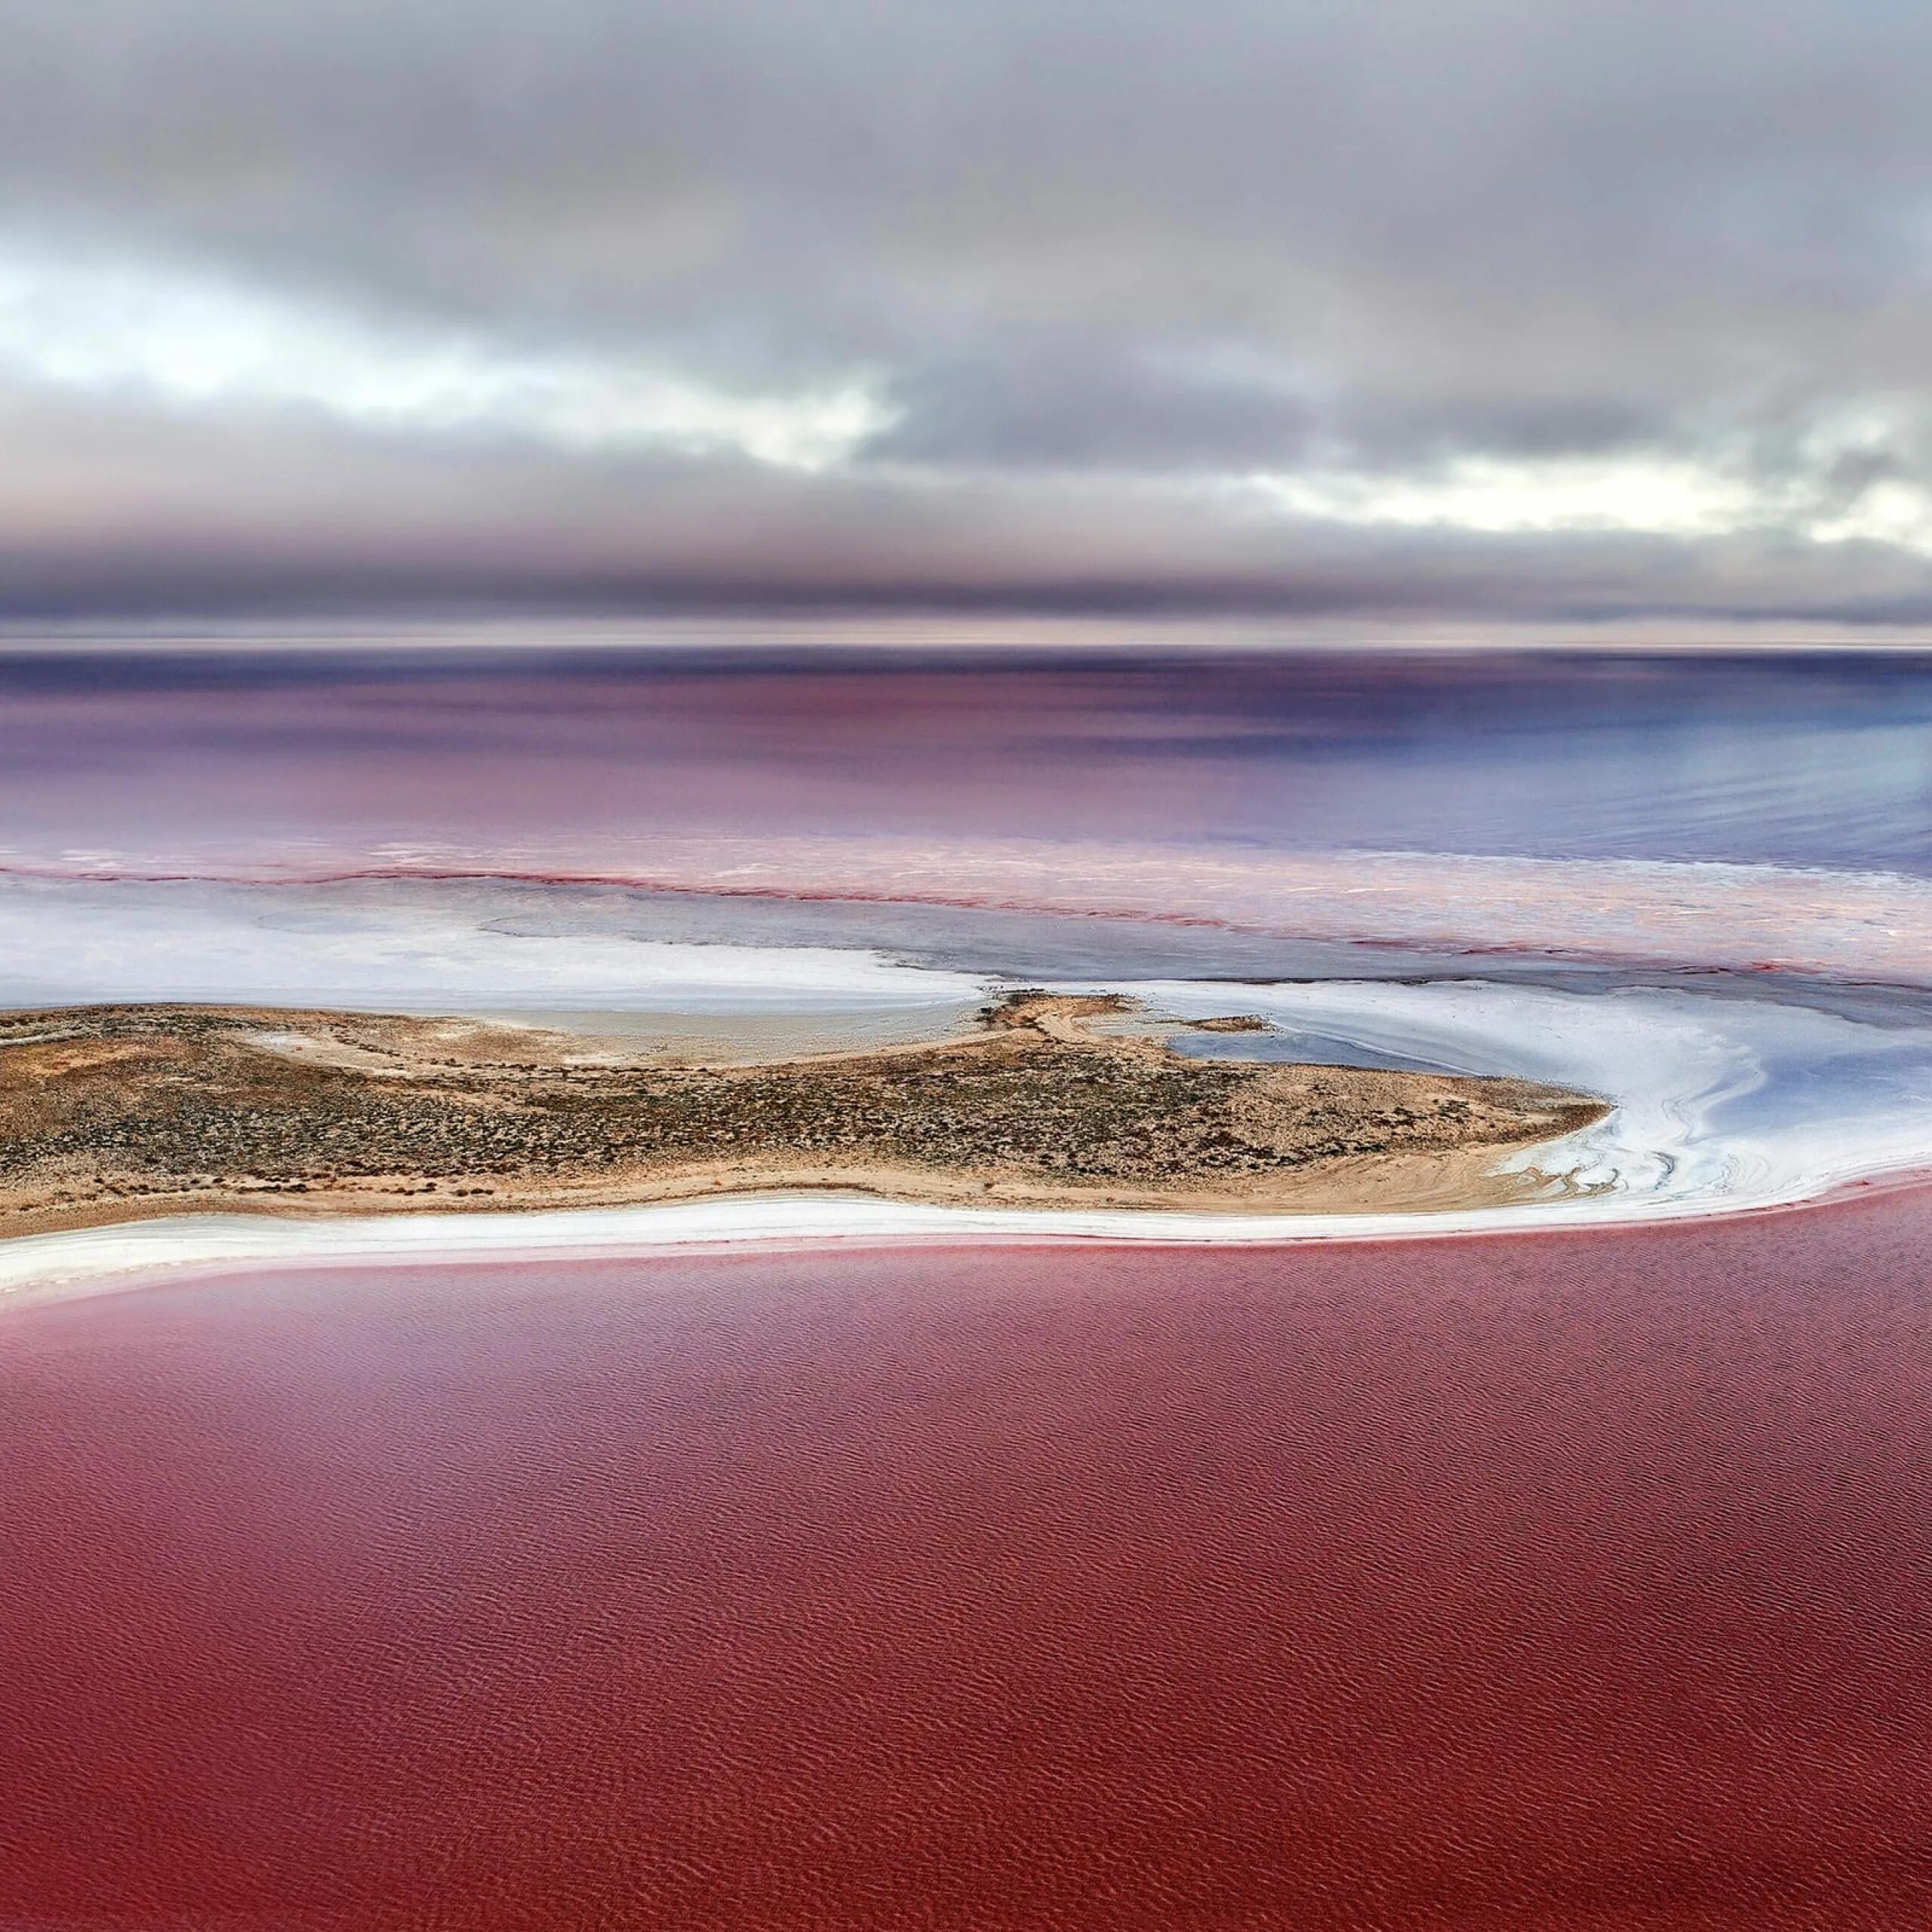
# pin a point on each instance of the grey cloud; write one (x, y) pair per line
(1101, 258)
(116, 523)
(1081, 403)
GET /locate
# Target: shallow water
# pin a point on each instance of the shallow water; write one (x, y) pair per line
(1541, 1583)
(1768, 810)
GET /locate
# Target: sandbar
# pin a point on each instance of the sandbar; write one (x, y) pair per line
(1042, 1101)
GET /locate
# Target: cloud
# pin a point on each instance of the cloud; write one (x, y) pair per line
(1841, 485)
(162, 337)
(1471, 309)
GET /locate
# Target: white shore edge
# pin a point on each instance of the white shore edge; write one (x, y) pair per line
(105, 1259)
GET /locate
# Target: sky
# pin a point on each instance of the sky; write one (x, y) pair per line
(1447, 314)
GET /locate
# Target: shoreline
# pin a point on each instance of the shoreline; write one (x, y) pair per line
(1687, 1139)
(127, 1256)
(1803, 936)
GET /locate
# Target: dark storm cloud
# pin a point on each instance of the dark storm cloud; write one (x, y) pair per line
(1096, 267)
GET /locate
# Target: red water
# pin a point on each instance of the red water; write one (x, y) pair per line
(1548, 1583)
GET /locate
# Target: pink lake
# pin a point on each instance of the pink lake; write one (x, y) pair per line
(1533, 1581)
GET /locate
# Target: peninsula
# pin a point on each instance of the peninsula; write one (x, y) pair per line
(117, 1113)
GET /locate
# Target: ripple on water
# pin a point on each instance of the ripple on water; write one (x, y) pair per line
(1549, 1581)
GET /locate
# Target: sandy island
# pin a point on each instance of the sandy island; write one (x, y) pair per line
(115, 1114)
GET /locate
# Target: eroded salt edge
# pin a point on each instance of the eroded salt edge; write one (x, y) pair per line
(1722, 1103)
(1873, 926)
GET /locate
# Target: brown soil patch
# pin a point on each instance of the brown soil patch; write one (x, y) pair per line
(110, 1114)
